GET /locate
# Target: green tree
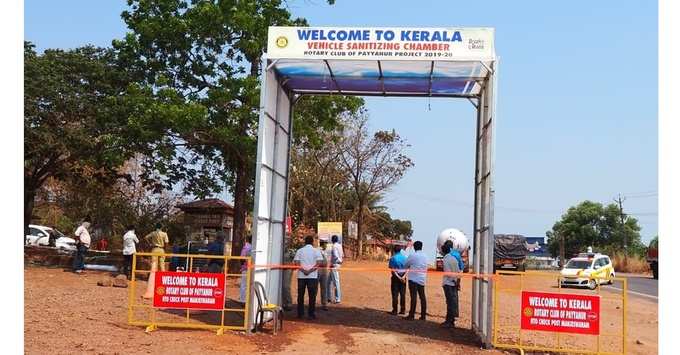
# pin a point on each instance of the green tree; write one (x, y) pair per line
(592, 224)
(71, 117)
(654, 243)
(388, 228)
(85, 116)
(403, 228)
(209, 52)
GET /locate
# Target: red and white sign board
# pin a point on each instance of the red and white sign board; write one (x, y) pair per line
(193, 290)
(561, 312)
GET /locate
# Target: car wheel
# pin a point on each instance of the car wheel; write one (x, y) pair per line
(612, 276)
(592, 284)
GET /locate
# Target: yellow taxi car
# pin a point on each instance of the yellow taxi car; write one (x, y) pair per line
(587, 270)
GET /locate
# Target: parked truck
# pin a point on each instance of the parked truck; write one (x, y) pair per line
(653, 257)
(460, 243)
(510, 252)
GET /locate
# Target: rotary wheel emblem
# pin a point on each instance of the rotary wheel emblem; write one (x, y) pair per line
(160, 290)
(528, 312)
(282, 42)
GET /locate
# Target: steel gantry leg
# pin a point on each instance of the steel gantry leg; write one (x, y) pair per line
(271, 184)
(482, 289)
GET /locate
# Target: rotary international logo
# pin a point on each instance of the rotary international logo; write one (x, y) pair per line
(160, 290)
(528, 312)
(282, 42)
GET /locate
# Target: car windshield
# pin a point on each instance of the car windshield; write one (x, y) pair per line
(56, 233)
(578, 264)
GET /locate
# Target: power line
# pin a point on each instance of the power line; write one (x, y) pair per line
(639, 193)
(468, 204)
(449, 201)
(642, 196)
(642, 214)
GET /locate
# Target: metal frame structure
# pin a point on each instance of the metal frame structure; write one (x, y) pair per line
(483, 237)
(560, 347)
(282, 84)
(153, 324)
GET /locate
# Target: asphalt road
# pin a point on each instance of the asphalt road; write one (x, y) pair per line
(642, 286)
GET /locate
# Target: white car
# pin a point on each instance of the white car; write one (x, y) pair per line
(46, 236)
(579, 270)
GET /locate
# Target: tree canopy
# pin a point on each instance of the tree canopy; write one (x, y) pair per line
(178, 97)
(592, 224)
(209, 52)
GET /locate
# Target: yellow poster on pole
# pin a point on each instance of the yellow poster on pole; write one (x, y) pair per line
(326, 230)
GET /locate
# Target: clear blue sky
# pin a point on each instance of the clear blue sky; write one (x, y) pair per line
(577, 104)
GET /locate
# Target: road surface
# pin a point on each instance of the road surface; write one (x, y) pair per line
(641, 285)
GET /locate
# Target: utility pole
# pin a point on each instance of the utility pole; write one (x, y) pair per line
(620, 200)
(561, 236)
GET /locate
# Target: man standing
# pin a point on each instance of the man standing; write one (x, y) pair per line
(451, 284)
(397, 265)
(216, 247)
(417, 274)
(129, 248)
(158, 239)
(323, 273)
(247, 251)
(287, 297)
(83, 244)
(308, 259)
(337, 256)
(456, 254)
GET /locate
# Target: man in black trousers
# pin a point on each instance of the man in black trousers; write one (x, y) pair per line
(309, 260)
(416, 264)
(398, 280)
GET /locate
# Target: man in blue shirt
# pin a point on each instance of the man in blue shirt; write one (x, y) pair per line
(397, 267)
(456, 254)
(416, 264)
(216, 247)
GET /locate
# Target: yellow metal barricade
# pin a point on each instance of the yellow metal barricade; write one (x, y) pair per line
(141, 311)
(508, 332)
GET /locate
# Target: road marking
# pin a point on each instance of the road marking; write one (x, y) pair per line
(636, 293)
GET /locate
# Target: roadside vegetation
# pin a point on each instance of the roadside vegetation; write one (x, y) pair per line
(169, 113)
(607, 229)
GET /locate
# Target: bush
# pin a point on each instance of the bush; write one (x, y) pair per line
(532, 263)
(634, 264)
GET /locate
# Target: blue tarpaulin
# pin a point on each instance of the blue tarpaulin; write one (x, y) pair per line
(384, 77)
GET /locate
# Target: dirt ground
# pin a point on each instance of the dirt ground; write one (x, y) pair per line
(67, 313)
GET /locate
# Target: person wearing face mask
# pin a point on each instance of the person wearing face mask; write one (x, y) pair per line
(83, 244)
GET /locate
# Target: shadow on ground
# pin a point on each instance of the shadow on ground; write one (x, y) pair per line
(373, 319)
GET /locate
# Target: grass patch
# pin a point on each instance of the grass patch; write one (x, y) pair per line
(634, 264)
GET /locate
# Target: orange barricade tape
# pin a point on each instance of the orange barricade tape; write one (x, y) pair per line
(375, 269)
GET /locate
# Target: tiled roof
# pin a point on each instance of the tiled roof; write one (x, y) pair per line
(209, 203)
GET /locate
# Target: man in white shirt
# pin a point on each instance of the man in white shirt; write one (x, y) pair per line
(417, 275)
(337, 256)
(129, 248)
(451, 284)
(308, 259)
(83, 244)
